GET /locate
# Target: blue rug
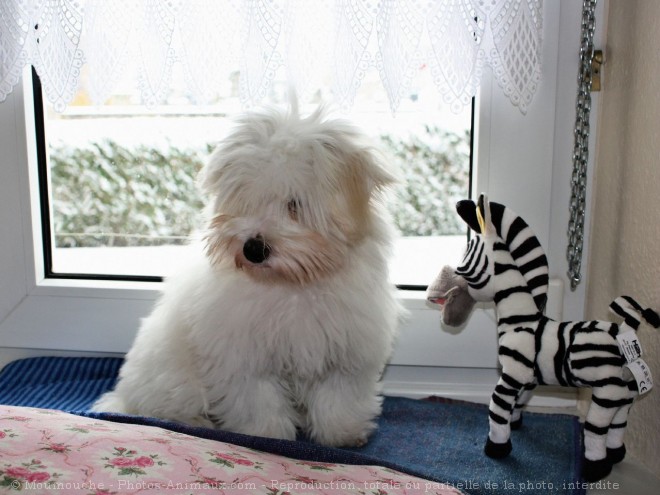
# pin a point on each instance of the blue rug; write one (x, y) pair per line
(439, 440)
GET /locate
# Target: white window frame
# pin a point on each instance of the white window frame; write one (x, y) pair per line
(46, 316)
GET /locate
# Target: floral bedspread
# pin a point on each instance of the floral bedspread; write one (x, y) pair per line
(45, 452)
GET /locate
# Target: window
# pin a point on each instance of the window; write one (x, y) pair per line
(521, 159)
(122, 199)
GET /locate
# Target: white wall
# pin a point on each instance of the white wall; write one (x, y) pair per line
(625, 252)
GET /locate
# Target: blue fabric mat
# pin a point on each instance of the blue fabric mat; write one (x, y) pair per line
(66, 384)
(439, 440)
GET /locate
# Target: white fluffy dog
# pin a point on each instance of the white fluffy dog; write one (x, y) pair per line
(287, 323)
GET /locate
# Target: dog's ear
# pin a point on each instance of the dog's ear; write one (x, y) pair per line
(210, 175)
(366, 164)
(367, 174)
(364, 179)
(367, 169)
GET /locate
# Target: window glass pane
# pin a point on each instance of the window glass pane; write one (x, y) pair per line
(122, 176)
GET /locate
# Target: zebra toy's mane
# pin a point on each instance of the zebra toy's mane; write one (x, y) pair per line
(518, 239)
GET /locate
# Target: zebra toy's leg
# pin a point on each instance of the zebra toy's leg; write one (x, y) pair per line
(501, 407)
(630, 310)
(615, 448)
(516, 355)
(521, 402)
(604, 407)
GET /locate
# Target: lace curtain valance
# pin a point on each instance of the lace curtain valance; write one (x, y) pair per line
(317, 42)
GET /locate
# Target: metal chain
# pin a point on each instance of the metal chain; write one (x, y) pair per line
(581, 146)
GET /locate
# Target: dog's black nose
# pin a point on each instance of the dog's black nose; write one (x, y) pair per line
(256, 250)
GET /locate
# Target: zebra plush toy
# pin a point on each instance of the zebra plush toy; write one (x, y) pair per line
(505, 263)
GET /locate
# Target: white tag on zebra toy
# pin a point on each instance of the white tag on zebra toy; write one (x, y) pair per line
(629, 345)
(642, 374)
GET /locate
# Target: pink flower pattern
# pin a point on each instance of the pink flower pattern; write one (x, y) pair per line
(105, 458)
(129, 464)
(232, 459)
(57, 447)
(17, 476)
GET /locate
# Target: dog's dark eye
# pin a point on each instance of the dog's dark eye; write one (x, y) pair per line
(294, 207)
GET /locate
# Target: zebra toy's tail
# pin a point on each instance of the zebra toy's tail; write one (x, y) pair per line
(630, 310)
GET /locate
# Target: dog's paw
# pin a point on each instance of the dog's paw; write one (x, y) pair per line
(354, 437)
(359, 442)
(110, 402)
(342, 441)
(201, 422)
(265, 425)
(341, 411)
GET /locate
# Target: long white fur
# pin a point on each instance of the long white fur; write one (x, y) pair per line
(300, 340)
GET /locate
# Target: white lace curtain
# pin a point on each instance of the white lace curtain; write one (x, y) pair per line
(332, 42)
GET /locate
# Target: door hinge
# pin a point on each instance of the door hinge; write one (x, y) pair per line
(596, 63)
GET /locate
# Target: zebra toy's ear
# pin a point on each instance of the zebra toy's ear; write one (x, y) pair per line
(484, 217)
(477, 216)
(467, 210)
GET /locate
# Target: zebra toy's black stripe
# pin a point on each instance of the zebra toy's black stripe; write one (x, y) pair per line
(505, 293)
(598, 430)
(518, 356)
(511, 382)
(519, 319)
(609, 403)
